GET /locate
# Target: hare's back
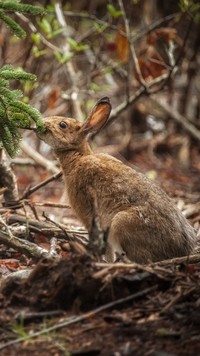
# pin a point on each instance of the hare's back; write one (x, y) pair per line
(111, 177)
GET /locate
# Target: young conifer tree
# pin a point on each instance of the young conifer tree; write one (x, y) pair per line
(14, 114)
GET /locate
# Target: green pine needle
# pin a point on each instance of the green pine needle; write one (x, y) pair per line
(17, 29)
(15, 114)
(22, 8)
(17, 74)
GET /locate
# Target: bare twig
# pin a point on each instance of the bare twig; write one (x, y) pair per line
(34, 30)
(52, 251)
(180, 295)
(47, 229)
(173, 68)
(30, 190)
(178, 260)
(132, 49)
(57, 225)
(72, 320)
(72, 73)
(24, 246)
(148, 29)
(117, 266)
(124, 105)
(140, 33)
(174, 114)
(29, 151)
(48, 204)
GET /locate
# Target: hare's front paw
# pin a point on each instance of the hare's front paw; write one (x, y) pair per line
(113, 255)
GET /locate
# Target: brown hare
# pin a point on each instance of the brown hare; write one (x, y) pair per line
(143, 223)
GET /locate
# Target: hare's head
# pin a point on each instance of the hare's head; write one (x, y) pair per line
(68, 134)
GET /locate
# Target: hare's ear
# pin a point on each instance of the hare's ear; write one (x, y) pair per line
(98, 116)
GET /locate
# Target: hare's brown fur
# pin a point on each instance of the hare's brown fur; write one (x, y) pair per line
(141, 218)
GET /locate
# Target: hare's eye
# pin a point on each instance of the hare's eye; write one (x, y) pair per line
(63, 125)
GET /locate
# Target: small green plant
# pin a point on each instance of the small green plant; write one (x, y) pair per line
(192, 7)
(113, 11)
(19, 330)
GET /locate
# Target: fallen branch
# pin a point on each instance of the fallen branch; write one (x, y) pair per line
(179, 296)
(76, 319)
(178, 260)
(48, 230)
(48, 204)
(28, 248)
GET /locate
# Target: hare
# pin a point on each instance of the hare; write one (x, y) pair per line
(141, 219)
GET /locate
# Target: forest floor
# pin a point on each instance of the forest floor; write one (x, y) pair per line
(81, 307)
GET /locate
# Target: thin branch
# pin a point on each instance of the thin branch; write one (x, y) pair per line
(148, 29)
(140, 34)
(180, 119)
(123, 106)
(34, 30)
(72, 73)
(72, 320)
(30, 152)
(48, 203)
(179, 296)
(178, 260)
(47, 229)
(30, 191)
(132, 49)
(173, 69)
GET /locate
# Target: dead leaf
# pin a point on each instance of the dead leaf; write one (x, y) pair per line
(53, 97)
(122, 45)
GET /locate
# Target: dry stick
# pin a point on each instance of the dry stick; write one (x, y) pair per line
(47, 229)
(148, 29)
(57, 225)
(34, 30)
(133, 98)
(49, 165)
(178, 59)
(48, 204)
(177, 297)
(178, 260)
(69, 66)
(29, 191)
(24, 246)
(92, 17)
(132, 49)
(147, 268)
(162, 80)
(180, 119)
(83, 317)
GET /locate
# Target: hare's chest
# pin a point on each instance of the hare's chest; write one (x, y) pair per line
(80, 198)
(87, 200)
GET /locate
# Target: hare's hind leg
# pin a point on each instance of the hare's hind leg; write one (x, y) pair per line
(128, 236)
